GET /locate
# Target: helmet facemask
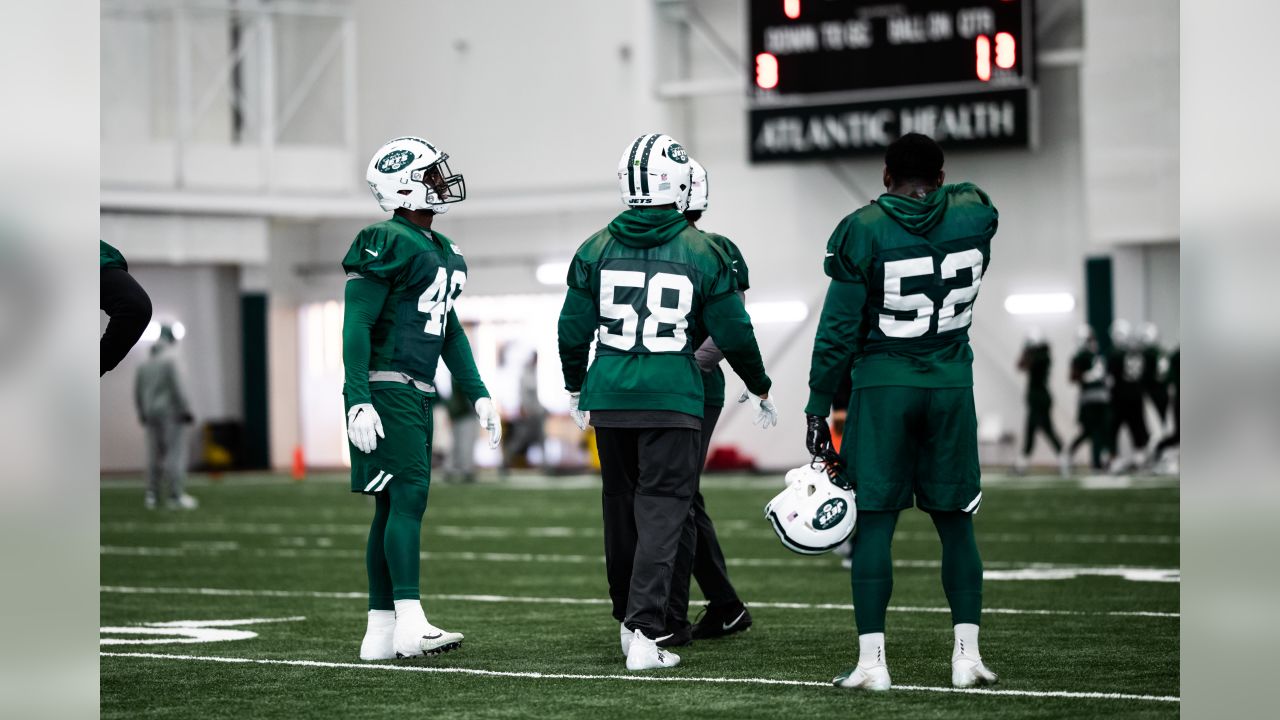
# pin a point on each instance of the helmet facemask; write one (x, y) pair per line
(442, 185)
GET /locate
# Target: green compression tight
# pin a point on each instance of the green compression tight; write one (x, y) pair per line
(392, 555)
(961, 566)
(872, 571)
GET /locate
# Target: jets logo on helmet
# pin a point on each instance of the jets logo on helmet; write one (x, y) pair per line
(813, 514)
(654, 170)
(411, 173)
(395, 160)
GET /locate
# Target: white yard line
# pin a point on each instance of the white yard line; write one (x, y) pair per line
(339, 595)
(406, 667)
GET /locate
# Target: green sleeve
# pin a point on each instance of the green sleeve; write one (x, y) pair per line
(578, 320)
(364, 301)
(375, 255)
(742, 277)
(834, 344)
(729, 325)
(461, 363)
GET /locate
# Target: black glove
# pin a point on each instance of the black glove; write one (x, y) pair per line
(817, 437)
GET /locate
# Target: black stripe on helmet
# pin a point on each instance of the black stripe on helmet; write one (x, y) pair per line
(631, 163)
(644, 164)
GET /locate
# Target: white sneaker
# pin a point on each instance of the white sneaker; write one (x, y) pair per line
(644, 654)
(875, 677)
(968, 671)
(415, 637)
(379, 643)
(625, 636)
(149, 501)
(185, 502)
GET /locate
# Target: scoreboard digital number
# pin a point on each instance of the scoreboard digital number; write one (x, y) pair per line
(845, 77)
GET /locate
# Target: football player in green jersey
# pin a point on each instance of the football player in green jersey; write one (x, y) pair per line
(1035, 361)
(905, 271)
(700, 556)
(402, 280)
(1125, 365)
(650, 288)
(1089, 371)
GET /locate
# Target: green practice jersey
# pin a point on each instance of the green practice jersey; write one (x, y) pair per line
(399, 322)
(1036, 361)
(109, 257)
(713, 382)
(1089, 370)
(905, 273)
(649, 288)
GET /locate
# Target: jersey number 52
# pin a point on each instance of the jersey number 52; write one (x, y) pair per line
(948, 319)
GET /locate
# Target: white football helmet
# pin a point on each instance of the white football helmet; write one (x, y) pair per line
(654, 170)
(411, 173)
(813, 515)
(1121, 333)
(698, 188)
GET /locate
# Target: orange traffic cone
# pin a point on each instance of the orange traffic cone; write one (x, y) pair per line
(299, 465)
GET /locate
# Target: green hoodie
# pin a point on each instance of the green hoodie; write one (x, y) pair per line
(904, 276)
(649, 288)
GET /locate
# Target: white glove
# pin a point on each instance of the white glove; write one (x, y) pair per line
(766, 412)
(489, 420)
(579, 417)
(364, 427)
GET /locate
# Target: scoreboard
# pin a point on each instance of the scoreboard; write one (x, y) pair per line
(847, 77)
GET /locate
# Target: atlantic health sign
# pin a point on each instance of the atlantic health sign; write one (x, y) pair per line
(984, 119)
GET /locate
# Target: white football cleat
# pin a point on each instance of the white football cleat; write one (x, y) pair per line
(644, 654)
(874, 677)
(625, 636)
(415, 637)
(968, 671)
(184, 502)
(149, 501)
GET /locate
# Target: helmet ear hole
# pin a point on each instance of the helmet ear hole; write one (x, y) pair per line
(403, 192)
(811, 489)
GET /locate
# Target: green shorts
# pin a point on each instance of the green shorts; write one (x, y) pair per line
(404, 455)
(901, 442)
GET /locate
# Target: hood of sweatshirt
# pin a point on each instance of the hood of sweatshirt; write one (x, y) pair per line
(647, 227)
(919, 216)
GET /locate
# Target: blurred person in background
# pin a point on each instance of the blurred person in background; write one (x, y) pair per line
(650, 288)
(160, 396)
(1155, 368)
(529, 427)
(1035, 361)
(700, 556)
(461, 464)
(1173, 439)
(1089, 371)
(126, 304)
(402, 280)
(911, 437)
(1125, 365)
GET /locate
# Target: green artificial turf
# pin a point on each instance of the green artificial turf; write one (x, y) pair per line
(503, 563)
